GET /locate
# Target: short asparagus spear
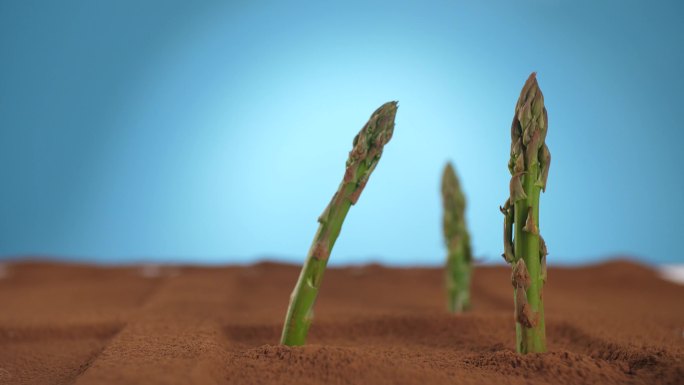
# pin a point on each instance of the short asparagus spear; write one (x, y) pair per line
(364, 156)
(459, 259)
(524, 248)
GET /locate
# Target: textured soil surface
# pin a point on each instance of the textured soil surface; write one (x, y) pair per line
(616, 323)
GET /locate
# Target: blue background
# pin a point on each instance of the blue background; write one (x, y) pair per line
(216, 132)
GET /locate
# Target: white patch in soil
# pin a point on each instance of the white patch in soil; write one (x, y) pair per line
(672, 273)
(150, 271)
(156, 271)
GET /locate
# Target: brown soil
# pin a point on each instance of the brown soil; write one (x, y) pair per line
(615, 323)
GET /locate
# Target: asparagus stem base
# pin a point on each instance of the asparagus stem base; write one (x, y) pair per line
(300, 313)
(458, 285)
(530, 339)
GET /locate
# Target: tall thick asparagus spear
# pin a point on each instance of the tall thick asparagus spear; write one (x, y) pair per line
(363, 158)
(459, 259)
(524, 248)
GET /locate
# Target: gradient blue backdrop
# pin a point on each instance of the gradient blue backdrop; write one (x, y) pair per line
(214, 131)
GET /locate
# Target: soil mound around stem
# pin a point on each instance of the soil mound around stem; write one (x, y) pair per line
(614, 323)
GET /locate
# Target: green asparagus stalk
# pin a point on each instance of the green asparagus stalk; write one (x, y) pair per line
(364, 156)
(459, 258)
(524, 248)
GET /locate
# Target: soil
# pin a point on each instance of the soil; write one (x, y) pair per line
(614, 323)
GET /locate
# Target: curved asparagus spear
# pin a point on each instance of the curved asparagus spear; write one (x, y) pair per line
(459, 259)
(524, 248)
(363, 158)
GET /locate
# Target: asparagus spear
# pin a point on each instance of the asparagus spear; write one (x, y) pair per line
(459, 259)
(524, 248)
(364, 156)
